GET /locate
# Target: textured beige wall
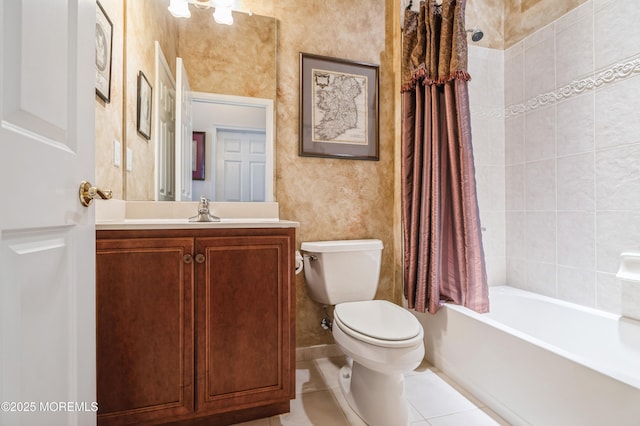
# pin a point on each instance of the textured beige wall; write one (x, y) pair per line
(108, 115)
(238, 59)
(146, 21)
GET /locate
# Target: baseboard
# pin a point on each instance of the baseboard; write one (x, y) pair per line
(318, 351)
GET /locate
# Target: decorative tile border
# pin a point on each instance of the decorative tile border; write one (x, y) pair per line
(615, 73)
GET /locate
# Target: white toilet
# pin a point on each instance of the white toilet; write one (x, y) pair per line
(382, 340)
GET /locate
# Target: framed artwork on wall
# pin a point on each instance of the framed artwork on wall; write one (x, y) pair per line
(338, 108)
(104, 43)
(144, 106)
(197, 155)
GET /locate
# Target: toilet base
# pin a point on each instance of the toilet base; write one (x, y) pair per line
(377, 398)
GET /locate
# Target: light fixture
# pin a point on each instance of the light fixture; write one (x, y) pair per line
(179, 8)
(222, 13)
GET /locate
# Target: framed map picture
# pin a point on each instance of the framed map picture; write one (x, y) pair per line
(338, 108)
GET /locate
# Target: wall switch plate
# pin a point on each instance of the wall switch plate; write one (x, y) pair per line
(117, 153)
(129, 159)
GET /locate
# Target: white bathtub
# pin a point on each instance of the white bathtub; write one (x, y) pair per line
(540, 361)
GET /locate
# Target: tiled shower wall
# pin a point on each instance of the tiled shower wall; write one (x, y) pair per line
(572, 155)
(486, 100)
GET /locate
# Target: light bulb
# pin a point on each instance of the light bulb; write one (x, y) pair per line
(179, 8)
(223, 15)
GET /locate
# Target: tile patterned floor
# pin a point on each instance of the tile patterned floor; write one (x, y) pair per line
(435, 400)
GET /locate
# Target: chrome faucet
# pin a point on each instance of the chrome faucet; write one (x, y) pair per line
(203, 212)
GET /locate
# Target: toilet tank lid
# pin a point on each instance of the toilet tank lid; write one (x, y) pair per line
(341, 245)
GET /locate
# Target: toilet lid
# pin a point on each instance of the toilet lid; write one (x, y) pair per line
(379, 319)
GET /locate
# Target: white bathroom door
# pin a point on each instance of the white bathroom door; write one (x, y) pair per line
(241, 171)
(184, 132)
(165, 107)
(47, 239)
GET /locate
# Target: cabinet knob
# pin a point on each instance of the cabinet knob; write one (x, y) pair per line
(187, 258)
(200, 258)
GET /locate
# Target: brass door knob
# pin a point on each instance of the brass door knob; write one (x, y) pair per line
(200, 258)
(88, 193)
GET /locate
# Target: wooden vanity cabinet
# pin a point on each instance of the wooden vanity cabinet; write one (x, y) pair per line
(144, 321)
(195, 326)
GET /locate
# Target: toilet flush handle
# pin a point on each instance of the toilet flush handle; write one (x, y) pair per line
(311, 257)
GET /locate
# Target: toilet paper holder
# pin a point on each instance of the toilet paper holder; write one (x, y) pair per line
(299, 262)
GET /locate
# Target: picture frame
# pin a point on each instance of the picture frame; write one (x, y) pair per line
(338, 108)
(144, 106)
(197, 155)
(104, 45)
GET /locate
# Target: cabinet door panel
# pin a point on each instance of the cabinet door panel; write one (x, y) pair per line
(243, 322)
(145, 347)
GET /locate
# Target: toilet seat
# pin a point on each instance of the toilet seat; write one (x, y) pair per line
(378, 322)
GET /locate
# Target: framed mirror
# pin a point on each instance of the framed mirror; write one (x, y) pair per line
(229, 60)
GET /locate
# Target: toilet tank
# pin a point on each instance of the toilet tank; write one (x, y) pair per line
(342, 271)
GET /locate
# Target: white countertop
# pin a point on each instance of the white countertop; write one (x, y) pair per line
(133, 224)
(132, 215)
